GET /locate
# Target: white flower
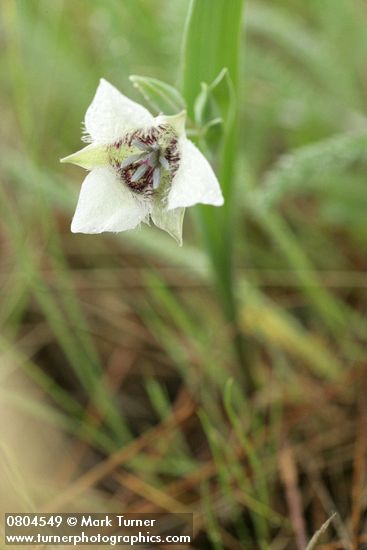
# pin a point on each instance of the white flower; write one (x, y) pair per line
(141, 168)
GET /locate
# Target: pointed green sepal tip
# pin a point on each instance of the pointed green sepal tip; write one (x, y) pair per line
(89, 157)
(177, 122)
(170, 221)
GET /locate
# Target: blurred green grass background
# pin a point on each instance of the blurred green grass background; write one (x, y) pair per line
(125, 334)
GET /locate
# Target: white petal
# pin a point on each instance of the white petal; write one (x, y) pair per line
(111, 114)
(195, 181)
(169, 220)
(106, 204)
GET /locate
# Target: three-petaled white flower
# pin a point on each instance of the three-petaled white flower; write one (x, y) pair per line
(141, 168)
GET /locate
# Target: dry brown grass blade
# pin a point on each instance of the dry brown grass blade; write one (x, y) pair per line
(340, 545)
(311, 545)
(117, 369)
(359, 466)
(182, 486)
(102, 469)
(159, 498)
(289, 477)
(326, 499)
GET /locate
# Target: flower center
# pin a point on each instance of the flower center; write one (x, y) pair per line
(147, 160)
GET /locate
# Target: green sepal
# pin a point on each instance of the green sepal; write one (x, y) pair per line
(89, 157)
(161, 97)
(177, 122)
(169, 220)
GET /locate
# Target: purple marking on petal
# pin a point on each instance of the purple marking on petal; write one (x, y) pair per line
(159, 151)
(140, 145)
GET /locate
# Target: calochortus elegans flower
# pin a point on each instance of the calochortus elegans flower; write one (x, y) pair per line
(142, 168)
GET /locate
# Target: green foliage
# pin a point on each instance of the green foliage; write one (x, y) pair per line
(161, 97)
(214, 111)
(210, 62)
(312, 168)
(120, 333)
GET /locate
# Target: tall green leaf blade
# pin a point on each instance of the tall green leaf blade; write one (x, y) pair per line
(212, 43)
